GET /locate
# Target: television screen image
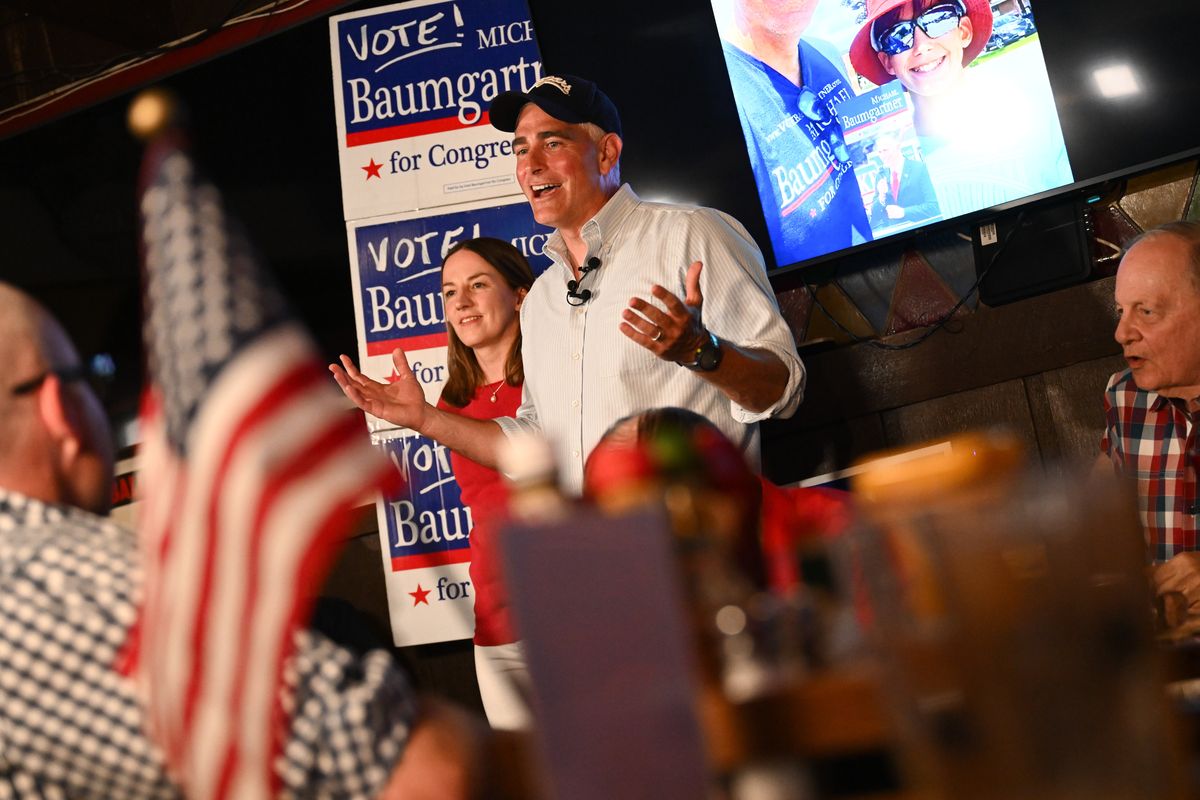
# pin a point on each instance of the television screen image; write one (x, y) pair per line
(867, 119)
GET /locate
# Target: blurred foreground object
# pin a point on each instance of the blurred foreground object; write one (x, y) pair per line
(251, 465)
(753, 629)
(598, 608)
(1012, 618)
(662, 667)
(527, 462)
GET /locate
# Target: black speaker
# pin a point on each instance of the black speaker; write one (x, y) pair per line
(1032, 250)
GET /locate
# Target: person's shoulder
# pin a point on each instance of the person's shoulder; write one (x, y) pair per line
(737, 57)
(672, 209)
(541, 286)
(916, 168)
(1121, 381)
(1122, 394)
(49, 521)
(94, 559)
(696, 217)
(820, 53)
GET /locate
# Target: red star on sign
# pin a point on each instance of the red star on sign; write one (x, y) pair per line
(419, 595)
(372, 170)
(395, 376)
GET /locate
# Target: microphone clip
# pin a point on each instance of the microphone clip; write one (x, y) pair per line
(575, 295)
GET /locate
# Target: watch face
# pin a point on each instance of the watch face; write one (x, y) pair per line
(710, 358)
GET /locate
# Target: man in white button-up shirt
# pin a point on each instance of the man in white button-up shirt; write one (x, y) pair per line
(684, 286)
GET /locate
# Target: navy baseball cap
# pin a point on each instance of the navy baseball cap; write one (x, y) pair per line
(566, 97)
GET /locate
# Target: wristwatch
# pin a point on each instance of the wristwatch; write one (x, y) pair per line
(708, 355)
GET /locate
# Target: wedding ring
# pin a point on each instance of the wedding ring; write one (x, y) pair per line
(657, 336)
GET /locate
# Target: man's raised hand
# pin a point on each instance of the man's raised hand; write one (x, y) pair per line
(401, 401)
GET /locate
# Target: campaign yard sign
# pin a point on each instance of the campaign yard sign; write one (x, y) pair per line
(412, 83)
(423, 169)
(424, 531)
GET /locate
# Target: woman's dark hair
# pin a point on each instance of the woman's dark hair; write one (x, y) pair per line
(465, 376)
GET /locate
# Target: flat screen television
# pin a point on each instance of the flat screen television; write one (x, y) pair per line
(1058, 96)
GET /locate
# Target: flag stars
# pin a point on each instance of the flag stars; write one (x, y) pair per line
(372, 170)
(420, 595)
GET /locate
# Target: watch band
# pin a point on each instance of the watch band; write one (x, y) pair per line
(708, 355)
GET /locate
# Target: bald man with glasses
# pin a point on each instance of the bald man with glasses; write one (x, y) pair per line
(55, 444)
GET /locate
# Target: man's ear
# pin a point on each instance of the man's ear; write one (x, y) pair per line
(609, 151)
(521, 292)
(60, 416)
(886, 62)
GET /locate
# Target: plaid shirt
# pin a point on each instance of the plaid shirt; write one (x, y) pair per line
(1149, 438)
(70, 723)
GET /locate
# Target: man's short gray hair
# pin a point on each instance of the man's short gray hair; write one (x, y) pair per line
(596, 133)
(1188, 232)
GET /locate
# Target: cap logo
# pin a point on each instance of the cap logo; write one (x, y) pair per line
(555, 81)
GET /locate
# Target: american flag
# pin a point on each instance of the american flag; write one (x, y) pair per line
(251, 463)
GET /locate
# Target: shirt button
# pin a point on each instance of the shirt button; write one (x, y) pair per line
(575, 356)
(574, 454)
(574, 404)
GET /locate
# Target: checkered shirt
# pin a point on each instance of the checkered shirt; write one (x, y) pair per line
(70, 724)
(1148, 440)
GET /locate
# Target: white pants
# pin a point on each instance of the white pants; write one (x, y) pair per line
(504, 685)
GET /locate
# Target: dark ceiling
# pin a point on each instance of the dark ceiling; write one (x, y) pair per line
(66, 53)
(261, 131)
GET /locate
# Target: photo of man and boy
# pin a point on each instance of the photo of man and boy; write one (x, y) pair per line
(864, 118)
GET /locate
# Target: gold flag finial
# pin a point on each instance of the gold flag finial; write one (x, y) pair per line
(153, 111)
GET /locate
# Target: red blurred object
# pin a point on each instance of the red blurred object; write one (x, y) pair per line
(615, 468)
(634, 463)
(794, 517)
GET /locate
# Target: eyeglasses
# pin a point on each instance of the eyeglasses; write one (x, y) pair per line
(99, 373)
(811, 107)
(899, 37)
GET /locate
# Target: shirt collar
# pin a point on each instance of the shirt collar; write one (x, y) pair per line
(20, 510)
(1155, 401)
(1158, 402)
(600, 230)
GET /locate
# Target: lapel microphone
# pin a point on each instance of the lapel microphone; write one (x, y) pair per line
(575, 295)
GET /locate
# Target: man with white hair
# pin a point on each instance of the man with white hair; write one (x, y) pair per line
(1152, 406)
